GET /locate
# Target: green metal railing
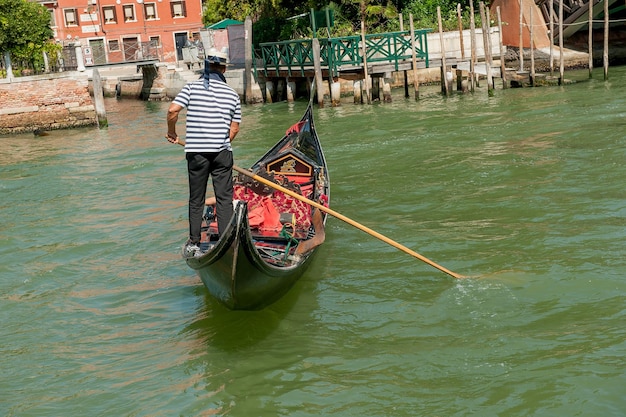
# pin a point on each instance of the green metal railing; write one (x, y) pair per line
(343, 53)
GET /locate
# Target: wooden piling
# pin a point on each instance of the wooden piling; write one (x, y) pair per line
(460, 21)
(375, 89)
(605, 54)
(590, 37)
(484, 16)
(444, 67)
(502, 61)
(269, 91)
(291, 90)
(357, 87)
(532, 48)
(386, 87)
(406, 77)
(280, 89)
(561, 55)
(319, 83)
(521, 36)
(365, 72)
(489, 52)
(335, 93)
(414, 58)
(473, 47)
(551, 38)
(98, 98)
(248, 60)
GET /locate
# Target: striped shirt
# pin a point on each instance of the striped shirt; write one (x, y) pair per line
(209, 114)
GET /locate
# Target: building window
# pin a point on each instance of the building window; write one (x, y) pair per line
(129, 13)
(178, 9)
(109, 14)
(114, 45)
(155, 41)
(149, 11)
(71, 17)
(53, 20)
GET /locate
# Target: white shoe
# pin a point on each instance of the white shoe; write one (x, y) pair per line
(191, 250)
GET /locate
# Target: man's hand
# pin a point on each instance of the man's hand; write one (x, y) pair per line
(172, 138)
(175, 140)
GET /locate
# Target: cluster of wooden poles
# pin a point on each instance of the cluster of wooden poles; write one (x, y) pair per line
(590, 22)
(486, 18)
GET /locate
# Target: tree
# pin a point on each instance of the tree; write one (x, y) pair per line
(273, 19)
(25, 31)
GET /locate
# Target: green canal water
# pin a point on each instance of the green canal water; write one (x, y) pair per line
(524, 192)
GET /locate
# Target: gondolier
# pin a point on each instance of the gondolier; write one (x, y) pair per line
(213, 118)
(271, 239)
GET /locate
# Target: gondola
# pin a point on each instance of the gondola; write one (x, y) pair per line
(272, 237)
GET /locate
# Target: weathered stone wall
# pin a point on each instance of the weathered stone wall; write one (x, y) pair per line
(45, 102)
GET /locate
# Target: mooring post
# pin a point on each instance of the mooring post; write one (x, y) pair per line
(605, 55)
(521, 37)
(98, 98)
(386, 87)
(291, 90)
(335, 92)
(460, 21)
(532, 49)
(269, 91)
(561, 57)
(247, 77)
(552, 37)
(502, 62)
(444, 67)
(357, 86)
(280, 89)
(365, 72)
(473, 79)
(375, 89)
(590, 38)
(484, 15)
(317, 65)
(416, 83)
(406, 78)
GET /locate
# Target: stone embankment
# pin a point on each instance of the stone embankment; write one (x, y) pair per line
(54, 101)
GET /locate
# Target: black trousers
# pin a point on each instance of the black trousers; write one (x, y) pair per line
(220, 167)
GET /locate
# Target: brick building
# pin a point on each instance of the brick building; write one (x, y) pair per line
(113, 31)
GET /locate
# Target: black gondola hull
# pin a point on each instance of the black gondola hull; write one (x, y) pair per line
(239, 270)
(235, 274)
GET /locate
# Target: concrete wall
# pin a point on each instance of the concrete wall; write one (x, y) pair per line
(46, 102)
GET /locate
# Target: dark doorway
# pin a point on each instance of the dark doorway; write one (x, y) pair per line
(181, 41)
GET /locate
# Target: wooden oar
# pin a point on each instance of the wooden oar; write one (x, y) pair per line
(347, 220)
(341, 217)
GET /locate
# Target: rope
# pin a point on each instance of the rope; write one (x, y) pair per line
(581, 23)
(290, 239)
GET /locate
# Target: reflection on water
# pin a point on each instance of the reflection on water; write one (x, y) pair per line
(523, 191)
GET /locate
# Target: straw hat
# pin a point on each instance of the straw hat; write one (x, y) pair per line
(217, 57)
